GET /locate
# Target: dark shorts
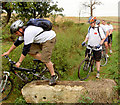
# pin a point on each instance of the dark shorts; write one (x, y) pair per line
(45, 48)
(109, 38)
(106, 40)
(96, 54)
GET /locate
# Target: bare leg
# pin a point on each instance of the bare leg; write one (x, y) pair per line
(50, 67)
(98, 69)
(36, 56)
(98, 65)
(110, 44)
(49, 64)
(106, 46)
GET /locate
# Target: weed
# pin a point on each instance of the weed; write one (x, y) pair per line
(87, 100)
(20, 100)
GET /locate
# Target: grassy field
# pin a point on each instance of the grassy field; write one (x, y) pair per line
(67, 54)
(114, 20)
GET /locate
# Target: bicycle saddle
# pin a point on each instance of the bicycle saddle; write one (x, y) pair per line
(36, 60)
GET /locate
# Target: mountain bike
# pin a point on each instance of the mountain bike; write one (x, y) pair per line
(87, 65)
(39, 72)
(104, 59)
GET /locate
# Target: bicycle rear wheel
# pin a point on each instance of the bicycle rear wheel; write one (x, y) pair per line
(6, 88)
(84, 70)
(103, 60)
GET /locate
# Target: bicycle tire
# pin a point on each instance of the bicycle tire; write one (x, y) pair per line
(103, 60)
(93, 66)
(47, 76)
(83, 71)
(5, 92)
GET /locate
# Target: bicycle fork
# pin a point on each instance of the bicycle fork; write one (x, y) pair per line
(90, 62)
(4, 82)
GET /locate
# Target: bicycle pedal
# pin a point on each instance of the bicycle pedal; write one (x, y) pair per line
(43, 78)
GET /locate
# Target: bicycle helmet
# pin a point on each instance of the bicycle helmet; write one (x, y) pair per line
(97, 22)
(91, 19)
(108, 22)
(15, 26)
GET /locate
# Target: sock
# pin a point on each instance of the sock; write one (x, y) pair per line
(98, 71)
(53, 75)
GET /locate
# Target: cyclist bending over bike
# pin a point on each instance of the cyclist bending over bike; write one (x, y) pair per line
(95, 37)
(33, 45)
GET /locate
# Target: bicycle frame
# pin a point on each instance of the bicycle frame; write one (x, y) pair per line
(87, 64)
(40, 72)
(90, 55)
(13, 68)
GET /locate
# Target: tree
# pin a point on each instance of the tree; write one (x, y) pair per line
(36, 9)
(56, 12)
(27, 10)
(7, 7)
(91, 5)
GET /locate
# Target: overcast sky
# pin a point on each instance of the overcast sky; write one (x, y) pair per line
(72, 8)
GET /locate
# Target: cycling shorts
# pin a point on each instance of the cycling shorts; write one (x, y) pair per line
(106, 40)
(109, 38)
(96, 54)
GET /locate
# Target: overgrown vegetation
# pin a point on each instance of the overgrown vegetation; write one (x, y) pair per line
(67, 54)
(86, 100)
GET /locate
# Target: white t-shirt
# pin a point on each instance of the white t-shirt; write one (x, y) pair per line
(104, 27)
(94, 37)
(31, 32)
(110, 27)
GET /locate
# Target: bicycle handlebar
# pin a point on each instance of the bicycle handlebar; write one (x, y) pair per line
(18, 68)
(92, 47)
(12, 62)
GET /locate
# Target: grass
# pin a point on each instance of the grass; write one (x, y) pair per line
(67, 55)
(111, 70)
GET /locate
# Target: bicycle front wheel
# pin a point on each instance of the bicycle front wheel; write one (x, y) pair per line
(84, 70)
(6, 87)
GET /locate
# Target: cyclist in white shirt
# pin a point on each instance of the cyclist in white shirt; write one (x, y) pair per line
(105, 29)
(95, 38)
(33, 44)
(110, 29)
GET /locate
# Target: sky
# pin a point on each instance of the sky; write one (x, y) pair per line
(73, 7)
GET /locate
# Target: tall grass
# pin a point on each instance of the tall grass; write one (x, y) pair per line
(68, 52)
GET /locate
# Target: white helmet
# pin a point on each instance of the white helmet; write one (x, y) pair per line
(15, 26)
(97, 22)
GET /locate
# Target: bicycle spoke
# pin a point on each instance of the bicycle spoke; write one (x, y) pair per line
(84, 70)
(103, 61)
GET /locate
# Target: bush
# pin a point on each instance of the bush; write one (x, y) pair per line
(68, 23)
(20, 100)
(67, 54)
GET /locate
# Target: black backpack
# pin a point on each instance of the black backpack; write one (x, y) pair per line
(43, 23)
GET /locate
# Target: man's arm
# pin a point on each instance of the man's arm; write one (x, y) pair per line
(86, 39)
(107, 33)
(11, 49)
(17, 43)
(111, 30)
(102, 41)
(20, 60)
(26, 49)
(103, 37)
